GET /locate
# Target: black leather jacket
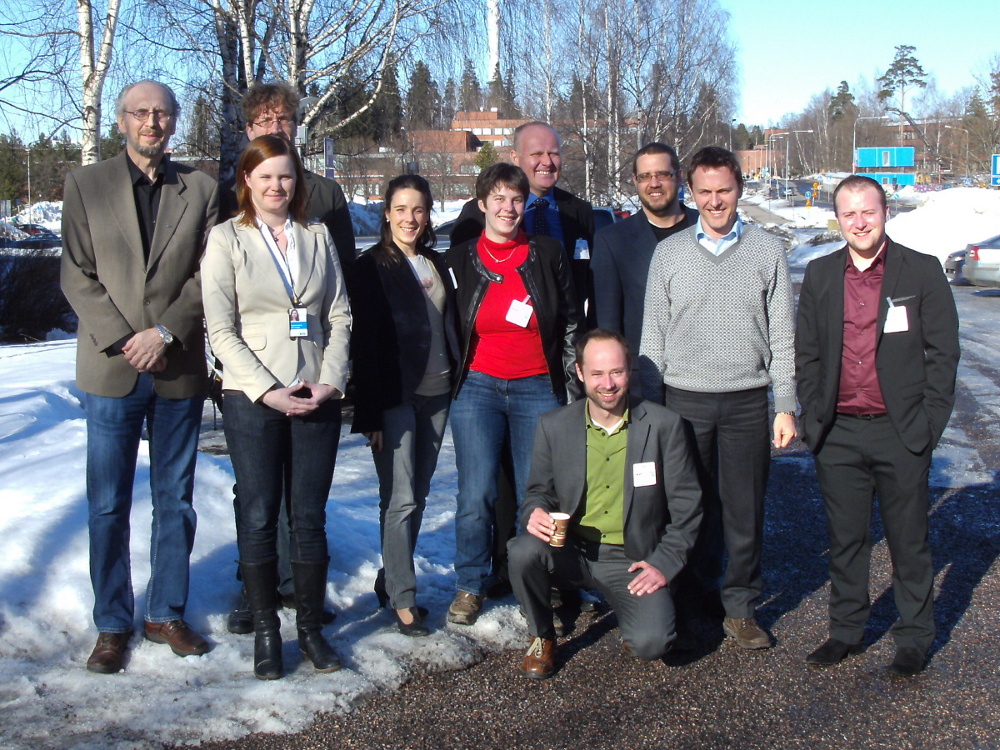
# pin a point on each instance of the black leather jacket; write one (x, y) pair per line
(548, 280)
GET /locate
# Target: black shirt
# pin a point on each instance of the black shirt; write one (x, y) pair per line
(147, 200)
(663, 232)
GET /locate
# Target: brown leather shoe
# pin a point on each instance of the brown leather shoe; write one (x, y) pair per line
(178, 635)
(747, 632)
(465, 608)
(106, 658)
(540, 660)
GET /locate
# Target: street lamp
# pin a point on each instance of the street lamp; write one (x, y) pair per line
(854, 140)
(787, 154)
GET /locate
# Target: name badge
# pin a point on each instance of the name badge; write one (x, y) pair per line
(519, 313)
(298, 322)
(895, 320)
(644, 474)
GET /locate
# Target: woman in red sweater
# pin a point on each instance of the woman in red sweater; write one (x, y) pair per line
(519, 321)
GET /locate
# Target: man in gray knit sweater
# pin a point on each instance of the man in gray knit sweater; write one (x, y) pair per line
(718, 329)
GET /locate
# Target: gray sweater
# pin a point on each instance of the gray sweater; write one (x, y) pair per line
(719, 324)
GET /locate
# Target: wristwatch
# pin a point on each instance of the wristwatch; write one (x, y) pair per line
(167, 336)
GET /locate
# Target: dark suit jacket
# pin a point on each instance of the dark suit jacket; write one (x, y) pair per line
(619, 267)
(916, 368)
(661, 520)
(116, 292)
(326, 205)
(576, 215)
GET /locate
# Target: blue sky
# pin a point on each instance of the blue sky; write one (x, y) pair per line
(790, 51)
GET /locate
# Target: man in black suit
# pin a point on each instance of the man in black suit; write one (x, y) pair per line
(876, 356)
(622, 251)
(620, 467)
(272, 109)
(550, 210)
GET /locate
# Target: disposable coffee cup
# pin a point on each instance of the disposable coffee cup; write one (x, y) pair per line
(561, 521)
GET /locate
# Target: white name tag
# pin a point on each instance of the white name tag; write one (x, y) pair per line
(519, 313)
(644, 474)
(895, 320)
(298, 322)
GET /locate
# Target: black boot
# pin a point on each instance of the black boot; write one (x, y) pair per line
(240, 620)
(310, 594)
(260, 581)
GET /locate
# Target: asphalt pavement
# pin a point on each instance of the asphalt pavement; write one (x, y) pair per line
(719, 696)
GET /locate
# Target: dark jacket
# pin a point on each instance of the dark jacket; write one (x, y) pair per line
(661, 519)
(575, 214)
(916, 368)
(546, 276)
(391, 335)
(619, 266)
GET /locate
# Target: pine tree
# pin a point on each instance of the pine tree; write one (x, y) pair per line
(470, 96)
(449, 104)
(904, 73)
(422, 99)
(487, 156)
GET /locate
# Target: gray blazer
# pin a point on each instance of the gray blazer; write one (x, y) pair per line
(662, 519)
(116, 292)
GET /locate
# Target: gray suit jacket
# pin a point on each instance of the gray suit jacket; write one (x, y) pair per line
(116, 292)
(662, 519)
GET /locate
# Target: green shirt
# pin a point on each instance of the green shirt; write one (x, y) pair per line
(601, 517)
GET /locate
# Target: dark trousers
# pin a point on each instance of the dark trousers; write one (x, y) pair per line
(269, 449)
(731, 436)
(861, 458)
(646, 622)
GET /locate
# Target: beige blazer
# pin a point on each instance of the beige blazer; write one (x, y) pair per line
(116, 292)
(246, 310)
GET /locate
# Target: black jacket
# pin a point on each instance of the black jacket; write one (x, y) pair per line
(575, 214)
(916, 367)
(546, 277)
(391, 335)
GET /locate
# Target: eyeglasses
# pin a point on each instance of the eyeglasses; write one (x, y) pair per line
(159, 115)
(661, 175)
(266, 122)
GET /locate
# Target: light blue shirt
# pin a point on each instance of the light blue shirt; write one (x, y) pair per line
(552, 213)
(724, 243)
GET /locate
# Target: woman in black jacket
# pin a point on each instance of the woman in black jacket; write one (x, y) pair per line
(519, 321)
(405, 348)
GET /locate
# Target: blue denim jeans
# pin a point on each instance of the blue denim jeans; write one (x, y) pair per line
(114, 426)
(484, 412)
(270, 451)
(411, 440)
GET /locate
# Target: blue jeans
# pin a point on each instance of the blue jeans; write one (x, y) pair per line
(114, 426)
(268, 450)
(411, 440)
(482, 414)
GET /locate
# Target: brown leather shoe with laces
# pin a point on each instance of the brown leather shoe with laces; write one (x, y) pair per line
(747, 632)
(177, 634)
(107, 656)
(540, 660)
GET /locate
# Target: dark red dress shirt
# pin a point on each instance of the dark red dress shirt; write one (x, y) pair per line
(859, 388)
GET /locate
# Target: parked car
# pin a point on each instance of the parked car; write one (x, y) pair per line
(36, 230)
(953, 267)
(604, 217)
(982, 263)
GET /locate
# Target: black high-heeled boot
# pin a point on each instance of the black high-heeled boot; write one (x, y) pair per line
(260, 581)
(310, 593)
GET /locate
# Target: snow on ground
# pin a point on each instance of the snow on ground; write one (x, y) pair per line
(49, 700)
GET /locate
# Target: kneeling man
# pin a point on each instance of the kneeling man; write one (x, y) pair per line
(621, 469)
